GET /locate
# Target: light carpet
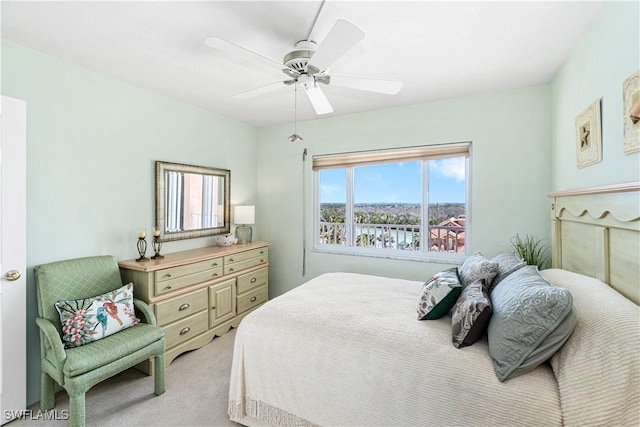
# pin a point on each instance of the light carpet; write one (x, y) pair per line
(197, 392)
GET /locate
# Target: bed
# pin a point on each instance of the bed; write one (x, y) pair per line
(346, 349)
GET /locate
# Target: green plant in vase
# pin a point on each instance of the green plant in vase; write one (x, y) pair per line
(532, 250)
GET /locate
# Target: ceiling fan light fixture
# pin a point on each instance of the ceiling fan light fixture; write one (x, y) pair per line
(291, 73)
(311, 70)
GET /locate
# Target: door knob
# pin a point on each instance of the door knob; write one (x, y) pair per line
(12, 275)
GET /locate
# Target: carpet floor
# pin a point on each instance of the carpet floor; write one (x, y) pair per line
(197, 389)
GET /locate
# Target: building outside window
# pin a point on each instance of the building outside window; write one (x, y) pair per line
(404, 203)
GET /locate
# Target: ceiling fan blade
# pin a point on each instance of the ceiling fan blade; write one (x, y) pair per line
(239, 51)
(342, 37)
(258, 91)
(318, 99)
(386, 86)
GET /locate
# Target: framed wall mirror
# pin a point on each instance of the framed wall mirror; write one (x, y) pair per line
(192, 201)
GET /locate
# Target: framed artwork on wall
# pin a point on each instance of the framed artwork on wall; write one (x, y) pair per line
(631, 110)
(588, 136)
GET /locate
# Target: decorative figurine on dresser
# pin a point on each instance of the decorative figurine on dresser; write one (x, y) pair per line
(200, 293)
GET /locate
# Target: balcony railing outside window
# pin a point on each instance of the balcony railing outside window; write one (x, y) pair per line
(442, 238)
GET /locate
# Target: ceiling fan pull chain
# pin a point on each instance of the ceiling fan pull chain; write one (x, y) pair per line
(295, 137)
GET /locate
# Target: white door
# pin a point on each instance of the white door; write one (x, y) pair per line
(13, 258)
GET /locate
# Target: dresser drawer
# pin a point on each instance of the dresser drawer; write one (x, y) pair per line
(182, 306)
(252, 280)
(243, 256)
(184, 281)
(252, 298)
(185, 329)
(185, 270)
(233, 265)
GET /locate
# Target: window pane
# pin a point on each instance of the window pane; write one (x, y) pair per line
(387, 205)
(333, 199)
(413, 206)
(447, 204)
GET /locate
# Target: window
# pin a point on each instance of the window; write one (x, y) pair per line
(405, 203)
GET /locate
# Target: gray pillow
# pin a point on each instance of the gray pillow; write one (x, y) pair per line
(477, 267)
(471, 314)
(531, 320)
(507, 264)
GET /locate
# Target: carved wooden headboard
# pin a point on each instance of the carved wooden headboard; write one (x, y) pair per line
(596, 232)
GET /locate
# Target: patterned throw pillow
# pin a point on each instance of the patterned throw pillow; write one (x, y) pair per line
(477, 267)
(439, 294)
(531, 320)
(471, 314)
(507, 264)
(90, 319)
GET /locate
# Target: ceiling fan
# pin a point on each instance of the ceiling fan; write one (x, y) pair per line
(307, 66)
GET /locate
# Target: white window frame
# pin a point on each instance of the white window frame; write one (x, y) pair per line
(420, 153)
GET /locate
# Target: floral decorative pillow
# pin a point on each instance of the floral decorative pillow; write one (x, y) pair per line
(471, 314)
(477, 267)
(90, 319)
(439, 294)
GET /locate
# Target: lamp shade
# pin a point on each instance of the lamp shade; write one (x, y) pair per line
(243, 214)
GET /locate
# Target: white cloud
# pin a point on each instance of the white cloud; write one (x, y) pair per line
(390, 198)
(375, 179)
(330, 190)
(449, 168)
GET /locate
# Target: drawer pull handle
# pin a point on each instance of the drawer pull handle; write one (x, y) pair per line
(230, 269)
(253, 299)
(261, 252)
(185, 330)
(183, 307)
(215, 264)
(254, 280)
(167, 287)
(215, 275)
(167, 275)
(230, 259)
(261, 260)
(213, 308)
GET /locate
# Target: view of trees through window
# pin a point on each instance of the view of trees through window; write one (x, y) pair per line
(381, 206)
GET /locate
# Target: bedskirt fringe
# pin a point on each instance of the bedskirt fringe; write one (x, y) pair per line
(264, 412)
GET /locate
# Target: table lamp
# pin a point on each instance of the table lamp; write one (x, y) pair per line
(244, 215)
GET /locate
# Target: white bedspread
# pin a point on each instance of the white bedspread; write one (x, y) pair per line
(598, 368)
(347, 350)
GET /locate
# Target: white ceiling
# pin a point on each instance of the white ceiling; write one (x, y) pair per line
(440, 49)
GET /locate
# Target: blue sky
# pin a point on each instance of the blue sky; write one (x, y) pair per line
(397, 183)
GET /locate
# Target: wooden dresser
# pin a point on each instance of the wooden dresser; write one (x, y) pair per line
(200, 293)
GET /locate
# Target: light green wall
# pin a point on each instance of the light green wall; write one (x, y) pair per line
(92, 143)
(509, 176)
(91, 146)
(607, 55)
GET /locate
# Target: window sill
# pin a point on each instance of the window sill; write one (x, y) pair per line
(433, 257)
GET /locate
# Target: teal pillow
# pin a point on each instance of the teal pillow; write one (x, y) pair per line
(531, 320)
(439, 294)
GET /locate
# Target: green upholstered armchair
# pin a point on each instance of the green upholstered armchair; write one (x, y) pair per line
(77, 369)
